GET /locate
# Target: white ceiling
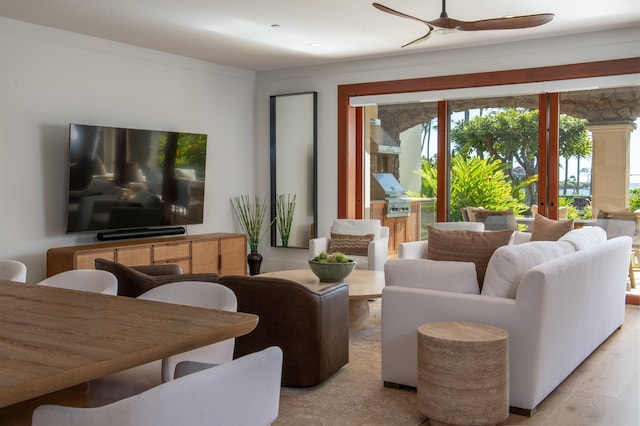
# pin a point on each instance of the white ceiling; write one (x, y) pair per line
(240, 33)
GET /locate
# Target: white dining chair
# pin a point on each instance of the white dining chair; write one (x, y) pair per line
(13, 270)
(245, 391)
(91, 280)
(138, 379)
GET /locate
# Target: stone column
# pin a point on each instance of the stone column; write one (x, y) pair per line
(610, 165)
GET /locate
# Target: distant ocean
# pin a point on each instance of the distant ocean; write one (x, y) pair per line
(632, 185)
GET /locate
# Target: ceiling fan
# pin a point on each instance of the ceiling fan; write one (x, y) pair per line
(450, 24)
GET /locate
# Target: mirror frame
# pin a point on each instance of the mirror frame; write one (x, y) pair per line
(282, 122)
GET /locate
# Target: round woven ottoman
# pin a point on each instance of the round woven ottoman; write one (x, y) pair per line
(463, 373)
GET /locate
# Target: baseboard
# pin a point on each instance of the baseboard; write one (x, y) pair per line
(139, 233)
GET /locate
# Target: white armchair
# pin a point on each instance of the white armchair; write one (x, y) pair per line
(376, 250)
(245, 391)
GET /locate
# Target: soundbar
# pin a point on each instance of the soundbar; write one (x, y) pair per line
(139, 233)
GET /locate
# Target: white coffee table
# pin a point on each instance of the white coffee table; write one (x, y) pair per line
(363, 285)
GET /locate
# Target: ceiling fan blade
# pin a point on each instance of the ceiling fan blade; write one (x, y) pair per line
(418, 40)
(506, 23)
(400, 14)
(444, 22)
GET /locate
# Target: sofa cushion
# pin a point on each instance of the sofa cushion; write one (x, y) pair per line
(432, 274)
(545, 229)
(585, 238)
(509, 263)
(350, 244)
(466, 246)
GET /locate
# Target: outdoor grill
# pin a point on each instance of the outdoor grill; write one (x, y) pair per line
(386, 186)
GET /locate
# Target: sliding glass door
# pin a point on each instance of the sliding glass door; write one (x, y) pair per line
(492, 151)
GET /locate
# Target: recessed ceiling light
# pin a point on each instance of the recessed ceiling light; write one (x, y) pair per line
(275, 25)
(314, 45)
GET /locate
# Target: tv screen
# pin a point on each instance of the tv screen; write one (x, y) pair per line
(128, 178)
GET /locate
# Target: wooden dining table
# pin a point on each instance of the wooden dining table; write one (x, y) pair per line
(54, 341)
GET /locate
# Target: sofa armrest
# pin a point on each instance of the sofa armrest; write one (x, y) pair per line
(384, 232)
(432, 274)
(317, 246)
(413, 250)
(378, 251)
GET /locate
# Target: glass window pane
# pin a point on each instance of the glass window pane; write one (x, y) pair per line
(494, 155)
(399, 140)
(599, 171)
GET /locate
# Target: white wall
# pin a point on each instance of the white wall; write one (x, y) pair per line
(325, 79)
(50, 78)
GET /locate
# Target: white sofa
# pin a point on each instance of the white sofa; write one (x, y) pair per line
(562, 309)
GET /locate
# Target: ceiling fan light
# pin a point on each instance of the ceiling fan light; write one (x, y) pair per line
(442, 31)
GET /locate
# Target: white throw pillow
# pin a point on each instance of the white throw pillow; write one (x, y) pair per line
(429, 274)
(585, 238)
(509, 263)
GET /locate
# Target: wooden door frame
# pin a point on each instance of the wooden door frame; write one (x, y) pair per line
(350, 153)
(350, 143)
(548, 149)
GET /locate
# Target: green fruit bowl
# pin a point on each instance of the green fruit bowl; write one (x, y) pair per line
(332, 272)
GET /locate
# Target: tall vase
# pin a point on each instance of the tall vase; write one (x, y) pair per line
(254, 259)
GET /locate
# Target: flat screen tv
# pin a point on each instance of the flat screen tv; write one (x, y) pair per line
(123, 179)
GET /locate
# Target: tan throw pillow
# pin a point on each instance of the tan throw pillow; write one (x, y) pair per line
(357, 245)
(545, 229)
(466, 246)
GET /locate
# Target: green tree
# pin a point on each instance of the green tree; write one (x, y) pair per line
(511, 135)
(474, 182)
(634, 199)
(574, 143)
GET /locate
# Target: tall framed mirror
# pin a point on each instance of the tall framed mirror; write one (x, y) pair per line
(293, 166)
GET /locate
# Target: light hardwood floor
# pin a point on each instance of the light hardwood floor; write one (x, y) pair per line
(603, 390)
